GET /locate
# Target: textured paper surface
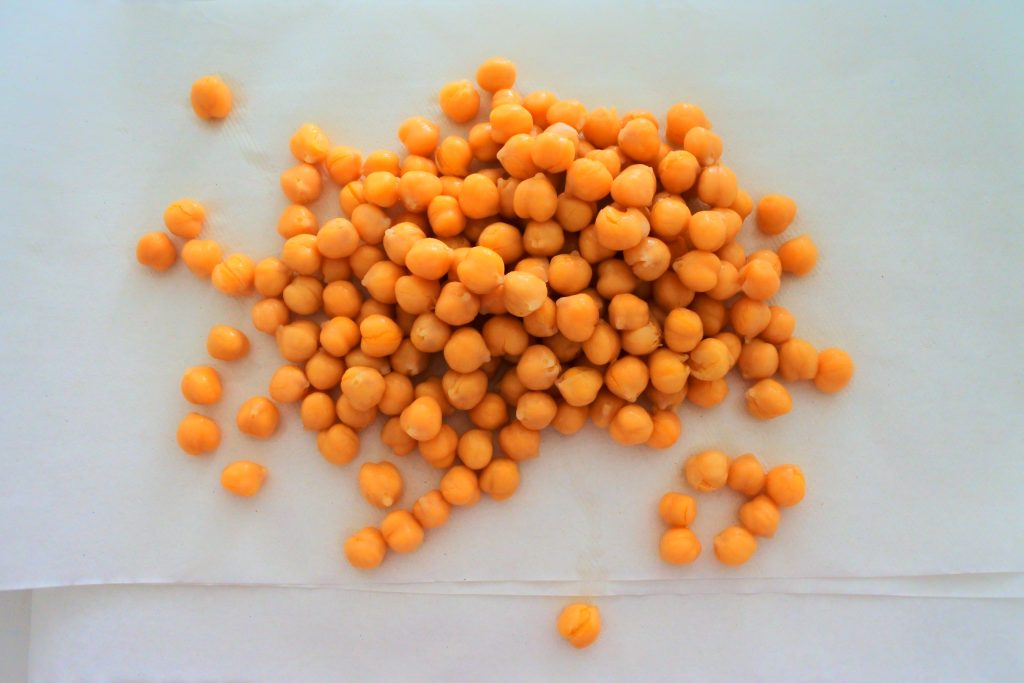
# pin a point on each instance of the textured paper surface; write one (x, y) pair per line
(896, 129)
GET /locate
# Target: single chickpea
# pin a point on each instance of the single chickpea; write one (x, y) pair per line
(516, 157)
(401, 531)
(758, 360)
(734, 546)
(570, 112)
(579, 386)
(317, 411)
(301, 184)
(601, 126)
(729, 282)
(570, 419)
(226, 343)
(604, 408)
(679, 546)
(343, 164)
(504, 239)
(538, 368)
(339, 335)
(431, 510)
(552, 152)
(639, 139)
(707, 230)
(760, 280)
(509, 119)
(573, 213)
(835, 370)
(464, 390)
(666, 402)
(422, 418)
(518, 442)
(627, 378)
(484, 147)
(288, 384)
(300, 254)
(185, 217)
(543, 238)
(666, 429)
(380, 483)
(440, 451)
(466, 350)
(445, 217)
(712, 314)
(643, 340)
(365, 549)
(705, 146)
(746, 475)
(523, 293)
(649, 259)
(678, 171)
(380, 281)
(565, 349)
(429, 333)
(628, 312)
(309, 144)
(459, 101)
(535, 198)
(543, 322)
(298, 341)
(775, 212)
(580, 624)
(681, 117)
(569, 273)
(610, 158)
(270, 276)
(760, 516)
(201, 257)
(511, 387)
(394, 437)
(211, 98)
(631, 425)
(634, 186)
(785, 485)
(781, 324)
(743, 205)
(460, 487)
(670, 293)
(798, 359)
(707, 471)
(497, 73)
(352, 416)
(749, 317)
(380, 336)
(733, 252)
(398, 394)
(416, 295)
(769, 257)
(677, 509)
(618, 229)
(491, 412)
(419, 135)
(668, 370)
(339, 444)
(698, 270)
(537, 103)
(258, 417)
(398, 240)
(453, 157)
(201, 385)
(156, 251)
(408, 360)
(683, 330)
(768, 399)
(364, 387)
(456, 305)
(710, 360)
(577, 316)
(243, 478)
(351, 196)
(198, 434)
(357, 358)
(414, 162)
(304, 295)
(417, 189)
(717, 186)
(363, 258)
(500, 478)
(381, 189)
(590, 248)
(476, 448)
(615, 278)
(429, 258)
(535, 410)
(337, 238)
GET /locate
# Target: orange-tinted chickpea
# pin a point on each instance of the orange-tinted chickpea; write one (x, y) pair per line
(775, 212)
(667, 428)
(431, 510)
(705, 146)
(365, 549)
(460, 486)
(201, 385)
(677, 509)
(746, 475)
(155, 250)
(835, 370)
(459, 101)
(639, 139)
(243, 478)
(211, 98)
(301, 184)
(380, 483)
(679, 546)
(198, 434)
(184, 218)
(401, 531)
(258, 417)
(580, 624)
(785, 485)
(734, 546)
(768, 399)
(681, 117)
(500, 478)
(707, 471)
(201, 257)
(339, 444)
(760, 516)
(781, 324)
(518, 442)
(497, 73)
(317, 411)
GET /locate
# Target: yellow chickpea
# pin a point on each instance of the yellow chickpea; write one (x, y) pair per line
(577, 316)
(414, 162)
(601, 126)
(429, 258)
(627, 378)
(668, 370)
(760, 516)
(516, 157)
(198, 434)
(380, 483)
(538, 368)
(304, 295)
(379, 336)
(677, 509)
(363, 386)
(339, 335)
(683, 330)
(484, 147)
(380, 188)
(422, 418)
(781, 324)
(518, 442)
(401, 531)
(729, 282)
(298, 341)
(704, 145)
(570, 419)
(523, 293)
(309, 144)
(580, 624)
(569, 273)
(464, 390)
(775, 212)
(535, 409)
(339, 444)
(269, 314)
(398, 394)
(579, 386)
(573, 213)
(156, 251)
(669, 216)
(746, 475)
(417, 189)
(476, 448)
(419, 135)
(537, 103)
(681, 117)
(758, 360)
(588, 180)
(785, 485)
(408, 360)
(343, 164)
(394, 437)
(543, 238)
(380, 281)
(500, 478)
(639, 139)
(482, 270)
(431, 510)
(710, 360)
(667, 428)
(649, 259)
(301, 184)
(628, 312)
(679, 546)
(749, 317)
(211, 98)
(416, 295)
(456, 305)
(552, 152)
(634, 186)
(201, 257)
(445, 216)
(643, 340)
(678, 171)
(604, 408)
(543, 322)
(429, 333)
(352, 416)
(243, 478)
(460, 487)
(707, 230)
(497, 73)
(697, 270)
(271, 276)
(734, 546)
(509, 119)
(712, 313)
(184, 218)
(569, 112)
(733, 253)
(466, 350)
(759, 279)
(226, 343)
(258, 417)
(491, 412)
(631, 425)
(453, 157)
(301, 255)
(288, 384)
(617, 229)
(350, 197)
(338, 238)
(707, 471)
(535, 198)
(365, 549)
(201, 385)
(768, 399)
(717, 186)
(835, 370)
(670, 293)
(459, 101)
(798, 359)
(317, 411)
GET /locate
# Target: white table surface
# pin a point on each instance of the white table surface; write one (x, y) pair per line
(897, 129)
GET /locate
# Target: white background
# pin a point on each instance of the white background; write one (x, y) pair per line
(898, 131)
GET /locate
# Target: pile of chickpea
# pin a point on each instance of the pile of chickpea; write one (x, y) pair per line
(564, 263)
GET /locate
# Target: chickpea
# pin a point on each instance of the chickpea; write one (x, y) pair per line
(677, 509)
(580, 624)
(707, 230)
(679, 546)
(491, 412)
(288, 384)
(339, 444)
(380, 336)
(476, 448)
(243, 478)
(670, 293)
(732, 252)
(356, 358)
(351, 196)
(579, 386)
(339, 335)
(615, 278)
(573, 214)
(201, 385)
(678, 171)
(664, 401)
(759, 279)
(697, 270)
(590, 248)
(734, 546)
(380, 188)
(301, 184)
(758, 360)
(201, 256)
(408, 360)
(835, 370)
(500, 478)
(669, 216)
(537, 103)
(683, 330)
(484, 147)
(570, 419)
(271, 276)
(309, 144)
(523, 293)
(300, 254)
(798, 359)
(363, 386)
(627, 378)
(729, 282)
(431, 510)
(570, 112)
(628, 312)
(604, 408)
(429, 333)
(156, 251)
(401, 531)
(398, 394)
(785, 485)
(226, 343)
(638, 138)
(543, 322)
(258, 417)
(543, 238)
(768, 399)
(631, 425)
(535, 198)
(304, 295)
(518, 442)
(643, 340)
(704, 145)
(535, 410)
(456, 305)
(649, 259)
(429, 258)
(565, 349)
(343, 164)
(681, 117)
(552, 152)
(712, 314)
(717, 186)
(634, 186)
(394, 437)
(497, 73)
(569, 273)
(459, 486)
(710, 360)
(352, 416)
(184, 218)
(577, 317)
(364, 257)
(760, 516)
(516, 157)
(666, 429)
(466, 350)
(417, 189)
(707, 471)
(422, 418)
(749, 317)
(509, 119)
(538, 368)
(198, 434)
(298, 341)
(380, 483)
(511, 387)
(459, 101)
(601, 126)
(668, 370)
(464, 390)
(775, 212)
(416, 295)
(618, 229)
(365, 549)
(317, 411)
(781, 324)
(211, 98)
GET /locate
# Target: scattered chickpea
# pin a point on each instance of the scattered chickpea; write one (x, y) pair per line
(185, 217)
(666, 428)
(500, 478)
(835, 370)
(580, 624)
(155, 250)
(746, 475)
(258, 417)
(768, 399)
(201, 257)
(460, 487)
(380, 483)
(243, 478)
(734, 546)
(317, 411)
(707, 471)
(365, 549)
(679, 545)
(519, 442)
(677, 509)
(201, 385)
(760, 516)
(775, 212)
(301, 184)
(401, 531)
(211, 98)
(758, 360)
(631, 425)
(338, 444)
(198, 434)
(459, 101)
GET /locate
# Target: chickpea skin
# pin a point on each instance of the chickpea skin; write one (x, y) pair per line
(243, 478)
(198, 434)
(580, 624)
(365, 549)
(679, 546)
(707, 471)
(734, 546)
(258, 417)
